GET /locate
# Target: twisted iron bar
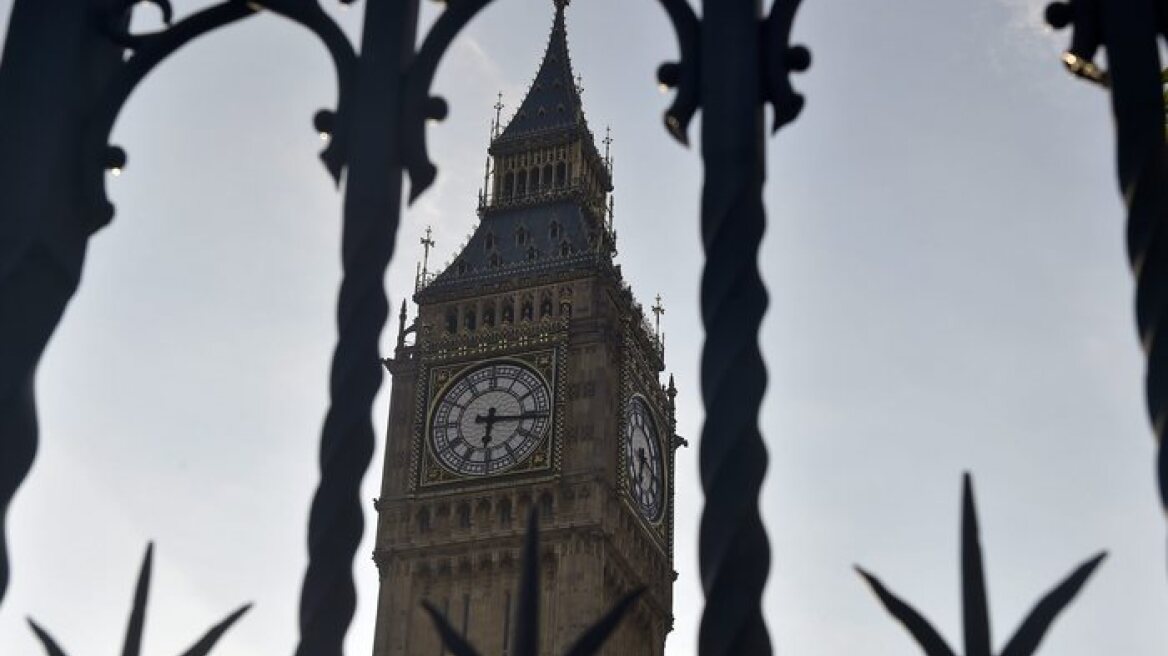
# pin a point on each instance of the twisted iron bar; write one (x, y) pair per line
(1129, 31)
(52, 60)
(335, 525)
(732, 84)
(391, 108)
(40, 270)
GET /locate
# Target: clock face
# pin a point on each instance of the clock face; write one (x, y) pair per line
(490, 418)
(643, 462)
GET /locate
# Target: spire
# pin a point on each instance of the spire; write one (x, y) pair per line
(608, 146)
(553, 99)
(401, 325)
(545, 203)
(497, 123)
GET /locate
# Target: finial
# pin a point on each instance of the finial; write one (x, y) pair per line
(401, 325)
(672, 389)
(607, 144)
(427, 244)
(486, 181)
(498, 112)
(579, 84)
(658, 310)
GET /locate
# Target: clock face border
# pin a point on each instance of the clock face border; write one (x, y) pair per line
(639, 377)
(662, 465)
(458, 436)
(437, 378)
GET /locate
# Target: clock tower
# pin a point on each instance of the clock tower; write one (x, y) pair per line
(530, 377)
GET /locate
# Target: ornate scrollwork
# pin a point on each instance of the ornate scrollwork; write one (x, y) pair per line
(116, 24)
(1086, 39)
(682, 75)
(418, 105)
(331, 123)
(779, 59)
(148, 50)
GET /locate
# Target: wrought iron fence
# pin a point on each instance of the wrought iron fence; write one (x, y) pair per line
(64, 79)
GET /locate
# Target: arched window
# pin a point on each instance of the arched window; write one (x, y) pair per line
(545, 307)
(532, 254)
(508, 311)
(521, 235)
(565, 249)
(464, 515)
(521, 184)
(554, 229)
(451, 321)
(525, 312)
(505, 513)
(508, 185)
(547, 176)
(561, 174)
(495, 260)
(468, 319)
(489, 317)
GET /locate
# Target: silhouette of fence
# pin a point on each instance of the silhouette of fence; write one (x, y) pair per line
(64, 80)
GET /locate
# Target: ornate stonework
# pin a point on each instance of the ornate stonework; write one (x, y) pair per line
(529, 347)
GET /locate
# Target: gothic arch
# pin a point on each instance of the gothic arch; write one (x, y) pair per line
(508, 185)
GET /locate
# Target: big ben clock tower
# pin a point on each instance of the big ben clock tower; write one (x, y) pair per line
(529, 378)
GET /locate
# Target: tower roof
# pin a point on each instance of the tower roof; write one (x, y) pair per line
(553, 99)
(546, 212)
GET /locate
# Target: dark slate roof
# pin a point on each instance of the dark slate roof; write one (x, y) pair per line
(552, 101)
(559, 234)
(495, 249)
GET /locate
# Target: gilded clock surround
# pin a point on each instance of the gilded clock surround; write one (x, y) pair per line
(542, 460)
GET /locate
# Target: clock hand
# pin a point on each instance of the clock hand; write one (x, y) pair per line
(525, 415)
(489, 419)
(492, 417)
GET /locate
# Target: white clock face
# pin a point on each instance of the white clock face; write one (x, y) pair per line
(643, 462)
(490, 419)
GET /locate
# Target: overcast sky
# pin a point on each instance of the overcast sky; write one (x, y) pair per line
(948, 291)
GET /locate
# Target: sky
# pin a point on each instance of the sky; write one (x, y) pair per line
(948, 292)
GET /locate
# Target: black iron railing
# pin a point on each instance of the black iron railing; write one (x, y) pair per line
(64, 80)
